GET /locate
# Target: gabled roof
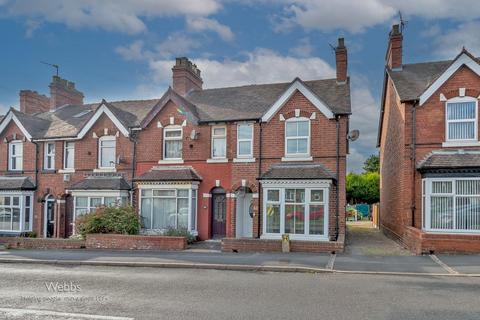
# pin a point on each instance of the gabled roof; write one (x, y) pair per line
(105, 109)
(253, 101)
(29, 125)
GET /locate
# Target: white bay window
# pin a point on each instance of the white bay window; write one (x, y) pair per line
(451, 205)
(300, 210)
(16, 212)
(88, 201)
(169, 207)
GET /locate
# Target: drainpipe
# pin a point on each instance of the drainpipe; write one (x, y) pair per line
(133, 138)
(337, 213)
(259, 213)
(413, 157)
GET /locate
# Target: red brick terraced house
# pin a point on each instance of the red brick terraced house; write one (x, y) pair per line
(430, 152)
(245, 164)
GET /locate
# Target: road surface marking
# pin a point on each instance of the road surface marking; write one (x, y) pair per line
(331, 261)
(443, 265)
(25, 312)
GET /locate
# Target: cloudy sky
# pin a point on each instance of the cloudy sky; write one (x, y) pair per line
(125, 49)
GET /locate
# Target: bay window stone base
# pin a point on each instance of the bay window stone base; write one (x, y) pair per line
(268, 245)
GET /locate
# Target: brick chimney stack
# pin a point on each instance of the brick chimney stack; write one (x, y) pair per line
(341, 61)
(186, 76)
(63, 92)
(32, 102)
(394, 50)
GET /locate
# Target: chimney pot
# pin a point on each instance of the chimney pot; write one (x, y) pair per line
(341, 60)
(186, 76)
(395, 49)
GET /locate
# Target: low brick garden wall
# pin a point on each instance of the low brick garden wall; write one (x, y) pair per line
(264, 245)
(39, 243)
(134, 242)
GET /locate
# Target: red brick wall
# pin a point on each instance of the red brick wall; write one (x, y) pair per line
(133, 242)
(263, 245)
(35, 243)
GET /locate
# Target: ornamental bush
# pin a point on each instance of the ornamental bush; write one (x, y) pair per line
(181, 232)
(116, 220)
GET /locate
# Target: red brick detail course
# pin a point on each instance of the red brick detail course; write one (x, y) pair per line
(267, 245)
(134, 242)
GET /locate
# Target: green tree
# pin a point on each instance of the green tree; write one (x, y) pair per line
(372, 164)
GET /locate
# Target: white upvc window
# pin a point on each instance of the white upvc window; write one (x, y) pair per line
(245, 140)
(219, 142)
(107, 152)
(69, 155)
(86, 202)
(163, 208)
(300, 211)
(461, 119)
(451, 205)
(297, 137)
(49, 158)
(16, 212)
(15, 155)
(172, 143)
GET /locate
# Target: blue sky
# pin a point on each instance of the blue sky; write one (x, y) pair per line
(125, 49)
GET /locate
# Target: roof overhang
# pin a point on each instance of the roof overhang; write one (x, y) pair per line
(103, 109)
(464, 58)
(297, 84)
(12, 117)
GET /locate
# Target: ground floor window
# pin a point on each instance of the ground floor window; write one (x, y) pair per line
(299, 211)
(16, 212)
(165, 208)
(451, 204)
(85, 203)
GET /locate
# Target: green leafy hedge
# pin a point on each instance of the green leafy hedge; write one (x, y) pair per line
(172, 232)
(116, 220)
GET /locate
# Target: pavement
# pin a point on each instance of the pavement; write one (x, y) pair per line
(28, 292)
(368, 251)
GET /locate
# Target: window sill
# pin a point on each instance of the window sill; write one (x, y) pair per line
(173, 161)
(225, 160)
(244, 160)
(466, 143)
(66, 171)
(47, 171)
(105, 170)
(289, 159)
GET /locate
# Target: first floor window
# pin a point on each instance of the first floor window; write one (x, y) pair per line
(49, 159)
(245, 140)
(297, 211)
(69, 155)
(88, 203)
(15, 212)
(15, 156)
(219, 142)
(461, 119)
(107, 151)
(172, 143)
(163, 209)
(297, 137)
(451, 204)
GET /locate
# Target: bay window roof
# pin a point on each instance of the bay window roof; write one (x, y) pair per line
(438, 160)
(16, 183)
(298, 171)
(102, 182)
(170, 173)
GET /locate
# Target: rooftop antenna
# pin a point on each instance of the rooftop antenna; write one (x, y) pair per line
(56, 66)
(403, 23)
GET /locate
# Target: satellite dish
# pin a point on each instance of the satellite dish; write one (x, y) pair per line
(193, 135)
(353, 135)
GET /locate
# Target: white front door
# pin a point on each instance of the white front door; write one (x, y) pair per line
(244, 219)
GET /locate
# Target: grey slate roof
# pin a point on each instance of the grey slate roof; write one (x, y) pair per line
(209, 105)
(297, 171)
(170, 173)
(415, 78)
(252, 101)
(16, 183)
(102, 182)
(450, 159)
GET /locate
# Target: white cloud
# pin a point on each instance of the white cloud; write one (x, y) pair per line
(200, 24)
(365, 113)
(3, 109)
(260, 66)
(132, 52)
(355, 16)
(303, 49)
(123, 16)
(450, 42)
